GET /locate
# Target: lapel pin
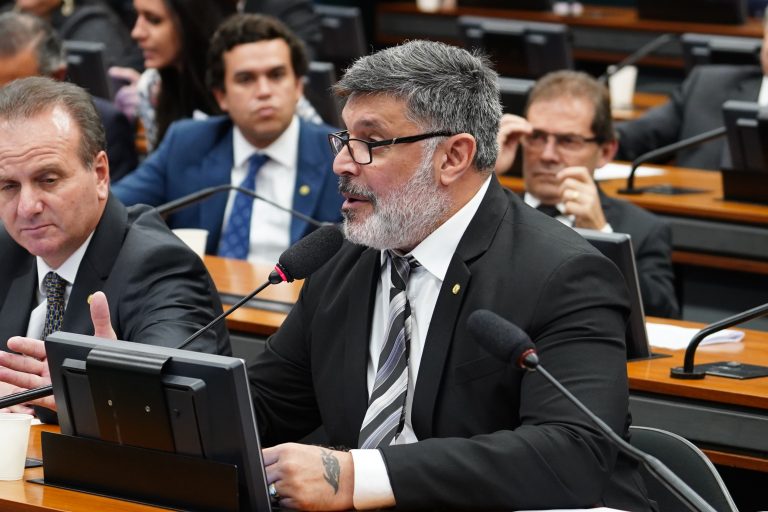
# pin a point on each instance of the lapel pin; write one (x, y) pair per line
(456, 288)
(304, 190)
(90, 298)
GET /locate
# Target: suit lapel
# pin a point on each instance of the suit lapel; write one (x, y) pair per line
(357, 334)
(95, 267)
(215, 169)
(310, 175)
(18, 292)
(475, 242)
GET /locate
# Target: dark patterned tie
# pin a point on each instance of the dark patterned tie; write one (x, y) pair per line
(54, 286)
(549, 209)
(236, 239)
(386, 407)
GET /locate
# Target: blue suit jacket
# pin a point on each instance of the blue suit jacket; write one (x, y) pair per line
(196, 154)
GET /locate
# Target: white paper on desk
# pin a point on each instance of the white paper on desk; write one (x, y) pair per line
(614, 171)
(675, 338)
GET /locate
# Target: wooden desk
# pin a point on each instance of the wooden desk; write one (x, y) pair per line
(600, 34)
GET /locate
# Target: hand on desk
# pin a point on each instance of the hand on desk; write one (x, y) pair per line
(310, 477)
(28, 368)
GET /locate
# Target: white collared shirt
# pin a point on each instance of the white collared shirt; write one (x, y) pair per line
(434, 253)
(276, 181)
(762, 97)
(68, 272)
(568, 220)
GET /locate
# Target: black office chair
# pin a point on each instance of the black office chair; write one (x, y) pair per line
(317, 89)
(343, 35)
(687, 462)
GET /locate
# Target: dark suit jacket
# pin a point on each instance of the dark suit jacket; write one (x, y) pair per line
(196, 154)
(694, 108)
(121, 139)
(159, 291)
(652, 243)
(491, 435)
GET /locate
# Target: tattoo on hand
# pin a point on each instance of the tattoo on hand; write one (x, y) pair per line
(332, 469)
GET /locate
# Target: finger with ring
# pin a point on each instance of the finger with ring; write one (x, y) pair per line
(273, 492)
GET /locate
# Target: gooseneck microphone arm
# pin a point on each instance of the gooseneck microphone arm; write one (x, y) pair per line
(635, 56)
(509, 343)
(667, 151)
(688, 371)
(202, 194)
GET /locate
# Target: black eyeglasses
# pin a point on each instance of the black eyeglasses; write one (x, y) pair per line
(360, 150)
(570, 142)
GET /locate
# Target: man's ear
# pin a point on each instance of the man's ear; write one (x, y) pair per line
(101, 170)
(221, 98)
(455, 157)
(607, 152)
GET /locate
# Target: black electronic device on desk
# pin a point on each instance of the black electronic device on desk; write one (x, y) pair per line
(87, 67)
(522, 5)
(519, 49)
(745, 177)
(727, 12)
(703, 49)
(152, 424)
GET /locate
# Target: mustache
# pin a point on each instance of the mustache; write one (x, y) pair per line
(347, 186)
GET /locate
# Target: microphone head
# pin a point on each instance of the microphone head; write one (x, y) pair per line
(309, 254)
(501, 337)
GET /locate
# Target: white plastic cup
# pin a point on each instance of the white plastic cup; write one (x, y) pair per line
(195, 238)
(429, 5)
(622, 88)
(14, 439)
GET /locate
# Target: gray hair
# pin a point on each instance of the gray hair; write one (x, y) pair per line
(29, 97)
(445, 88)
(18, 31)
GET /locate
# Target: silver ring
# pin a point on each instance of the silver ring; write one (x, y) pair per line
(273, 492)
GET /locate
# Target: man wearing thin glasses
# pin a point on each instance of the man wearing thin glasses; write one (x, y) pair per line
(568, 134)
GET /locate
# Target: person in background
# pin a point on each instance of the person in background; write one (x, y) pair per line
(696, 107)
(67, 245)
(173, 36)
(255, 70)
(567, 134)
(87, 20)
(377, 350)
(30, 47)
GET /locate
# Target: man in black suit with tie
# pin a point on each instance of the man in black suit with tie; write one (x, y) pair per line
(67, 245)
(567, 134)
(376, 349)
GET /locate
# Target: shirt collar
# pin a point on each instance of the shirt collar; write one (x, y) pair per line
(534, 202)
(67, 270)
(284, 150)
(435, 252)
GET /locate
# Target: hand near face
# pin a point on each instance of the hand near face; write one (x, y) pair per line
(310, 477)
(28, 368)
(511, 129)
(578, 193)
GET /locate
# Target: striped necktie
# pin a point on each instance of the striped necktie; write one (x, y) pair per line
(54, 286)
(236, 238)
(385, 416)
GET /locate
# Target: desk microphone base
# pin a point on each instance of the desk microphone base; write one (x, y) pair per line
(728, 369)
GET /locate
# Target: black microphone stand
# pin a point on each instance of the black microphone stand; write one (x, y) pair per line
(632, 58)
(722, 368)
(666, 151)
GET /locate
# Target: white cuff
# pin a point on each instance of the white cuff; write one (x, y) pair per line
(607, 228)
(372, 487)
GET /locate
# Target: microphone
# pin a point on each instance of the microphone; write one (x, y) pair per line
(509, 343)
(297, 262)
(635, 56)
(667, 151)
(722, 368)
(203, 194)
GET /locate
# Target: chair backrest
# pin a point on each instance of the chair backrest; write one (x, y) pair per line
(317, 89)
(343, 35)
(687, 462)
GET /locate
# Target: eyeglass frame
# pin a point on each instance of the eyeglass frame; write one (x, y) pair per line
(377, 143)
(558, 136)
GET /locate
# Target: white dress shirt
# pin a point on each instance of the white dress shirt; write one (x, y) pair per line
(68, 272)
(762, 97)
(276, 181)
(434, 253)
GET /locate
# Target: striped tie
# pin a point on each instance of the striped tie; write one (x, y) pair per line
(54, 314)
(385, 416)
